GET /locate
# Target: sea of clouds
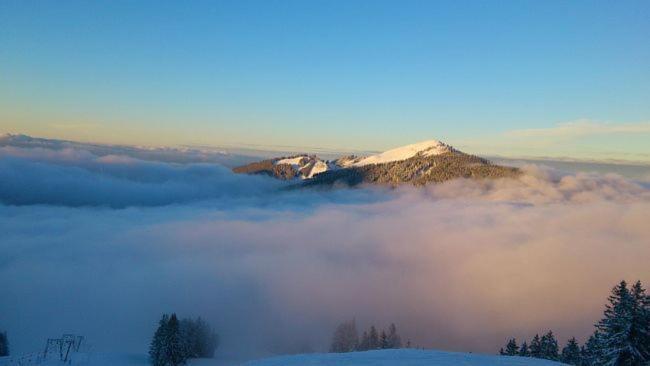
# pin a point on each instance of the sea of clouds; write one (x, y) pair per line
(102, 244)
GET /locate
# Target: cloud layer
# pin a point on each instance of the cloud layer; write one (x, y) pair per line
(71, 177)
(461, 265)
(584, 139)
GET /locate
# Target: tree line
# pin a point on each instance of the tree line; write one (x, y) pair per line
(4, 344)
(621, 337)
(346, 338)
(175, 341)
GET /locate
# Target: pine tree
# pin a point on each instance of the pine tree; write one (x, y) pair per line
(346, 338)
(174, 354)
(523, 350)
(571, 353)
(394, 339)
(641, 321)
(4, 344)
(373, 338)
(208, 339)
(364, 344)
(536, 347)
(189, 337)
(511, 348)
(550, 348)
(383, 340)
(621, 328)
(197, 338)
(591, 352)
(157, 343)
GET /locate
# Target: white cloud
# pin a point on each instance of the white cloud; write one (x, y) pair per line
(580, 128)
(578, 140)
(461, 265)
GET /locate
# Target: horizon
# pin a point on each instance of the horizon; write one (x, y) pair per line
(275, 151)
(522, 79)
(285, 175)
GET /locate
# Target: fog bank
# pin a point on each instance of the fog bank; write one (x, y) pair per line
(101, 246)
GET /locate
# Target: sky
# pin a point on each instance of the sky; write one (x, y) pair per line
(512, 78)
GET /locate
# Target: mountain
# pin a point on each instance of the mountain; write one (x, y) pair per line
(424, 148)
(418, 164)
(286, 168)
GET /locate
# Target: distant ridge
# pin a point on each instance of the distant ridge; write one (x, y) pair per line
(421, 163)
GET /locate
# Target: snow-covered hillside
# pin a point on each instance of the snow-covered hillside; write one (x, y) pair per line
(104, 359)
(306, 165)
(426, 148)
(397, 357)
(400, 357)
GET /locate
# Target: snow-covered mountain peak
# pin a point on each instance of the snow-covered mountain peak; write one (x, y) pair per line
(426, 148)
(421, 163)
(305, 165)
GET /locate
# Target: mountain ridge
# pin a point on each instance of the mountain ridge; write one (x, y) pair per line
(421, 163)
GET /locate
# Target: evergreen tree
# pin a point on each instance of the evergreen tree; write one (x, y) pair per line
(383, 340)
(373, 338)
(156, 354)
(641, 320)
(173, 348)
(198, 338)
(189, 337)
(208, 339)
(591, 352)
(511, 348)
(622, 329)
(571, 353)
(346, 338)
(175, 341)
(394, 339)
(4, 344)
(364, 344)
(549, 346)
(536, 347)
(523, 350)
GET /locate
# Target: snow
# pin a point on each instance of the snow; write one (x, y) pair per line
(393, 357)
(319, 167)
(102, 359)
(314, 164)
(297, 161)
(427, 148)
(400, 357)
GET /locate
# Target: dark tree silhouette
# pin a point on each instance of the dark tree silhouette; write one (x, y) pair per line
(345, 338)
(571, 353)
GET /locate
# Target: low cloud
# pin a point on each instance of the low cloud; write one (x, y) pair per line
(460, 265)
(582, 140)
(583, 127)
(72, 177)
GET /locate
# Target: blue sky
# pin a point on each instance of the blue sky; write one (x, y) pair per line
(524, 78)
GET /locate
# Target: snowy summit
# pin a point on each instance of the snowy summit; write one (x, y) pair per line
(421, 163)
(426, 148)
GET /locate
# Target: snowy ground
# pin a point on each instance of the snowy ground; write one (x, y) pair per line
(104, 359)
(401, 357)
(427, 148)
